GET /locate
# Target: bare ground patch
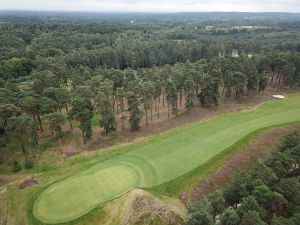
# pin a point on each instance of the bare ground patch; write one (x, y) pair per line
(27, 183)
(139, 207)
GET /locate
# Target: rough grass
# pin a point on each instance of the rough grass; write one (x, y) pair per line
(165, 158)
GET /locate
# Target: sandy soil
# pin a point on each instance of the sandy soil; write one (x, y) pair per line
(139, 207)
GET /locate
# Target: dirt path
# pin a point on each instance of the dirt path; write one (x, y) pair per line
(241, 161)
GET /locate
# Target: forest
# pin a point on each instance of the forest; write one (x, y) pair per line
(65, 69)
(63, 74)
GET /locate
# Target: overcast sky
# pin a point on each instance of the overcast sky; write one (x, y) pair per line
(154, 5)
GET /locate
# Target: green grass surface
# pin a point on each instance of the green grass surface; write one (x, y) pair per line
(161, 159)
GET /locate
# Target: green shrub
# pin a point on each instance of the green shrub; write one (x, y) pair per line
(1, 160)
(29, 164)
(16, 166)
(2, 143)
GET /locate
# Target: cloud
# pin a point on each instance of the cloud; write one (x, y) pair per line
(155, 5)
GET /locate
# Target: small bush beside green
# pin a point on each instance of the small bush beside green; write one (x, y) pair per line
(29, 164)
(2, 143)
(16, 166)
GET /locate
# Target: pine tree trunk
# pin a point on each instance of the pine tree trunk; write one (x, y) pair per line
(122, 123)
(33, 152)
(40, 123)
(223, 89)
(66, 106)
(33, 116)
(122, 115)
(180, 94)
(146, 111)
(168, 110)
(272, 78)
(114, 102)
(151, 112)
(117, 107)
(295, 167)
(59, 143)
(22, 145)
(70, 122)
(279, 80)
(163, 97)
(36, 138)
(83, 137)
(56, 135)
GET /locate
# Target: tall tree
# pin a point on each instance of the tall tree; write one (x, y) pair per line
(252, 218)
(172, 95)
(230, 217)
(147, 92)
(239, 81)
(55, 121)
(157, 90)
(209, 95)
(288, 72)
(217, 202)
(32, 106)
(262, 82)
(135, 113)
(8, 111)
(107, 116)
(23, 129)
(165, 74)
(120, 95)
(252, 76)
(189, 91)
(82, 111)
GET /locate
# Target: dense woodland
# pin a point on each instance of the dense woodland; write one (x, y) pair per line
(77, 72)
(268, 194)
(70, 70)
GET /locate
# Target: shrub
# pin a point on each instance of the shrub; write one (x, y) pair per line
(2, 143)
(29, 164)
(16, 166)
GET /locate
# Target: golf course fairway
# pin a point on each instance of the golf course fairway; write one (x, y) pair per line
(157, 160)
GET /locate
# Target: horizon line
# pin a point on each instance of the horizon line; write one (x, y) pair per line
(119, 11)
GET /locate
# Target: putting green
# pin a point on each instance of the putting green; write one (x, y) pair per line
(160, 159)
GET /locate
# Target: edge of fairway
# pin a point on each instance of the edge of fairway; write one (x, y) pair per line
(173, 187)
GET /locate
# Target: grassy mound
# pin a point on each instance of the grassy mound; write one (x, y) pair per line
(159, 160)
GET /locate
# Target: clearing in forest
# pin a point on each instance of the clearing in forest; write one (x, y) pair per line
(158, 160)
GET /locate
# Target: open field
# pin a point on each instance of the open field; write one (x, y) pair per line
(159, 160)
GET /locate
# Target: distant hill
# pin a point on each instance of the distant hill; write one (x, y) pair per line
(180, 16)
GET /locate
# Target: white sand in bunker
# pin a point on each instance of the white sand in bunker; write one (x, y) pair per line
(278, 96)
